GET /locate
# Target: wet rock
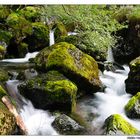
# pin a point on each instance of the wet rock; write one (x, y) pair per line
(67, 126)
(132, 108)
(73, 63)
(50, 91)
(117, 125)
(133, 80)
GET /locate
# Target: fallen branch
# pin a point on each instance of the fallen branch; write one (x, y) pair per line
(13, 110)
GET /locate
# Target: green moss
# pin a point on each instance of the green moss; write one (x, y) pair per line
(117, 123)
(4, 12)
(2, 52)
(135, 64)
(2, 92)
(60, 30)
(31, 13)
(129, 106)
(58, 89)
(7, 121)
(3, 75)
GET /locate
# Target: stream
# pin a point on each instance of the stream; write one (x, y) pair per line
(94, 109)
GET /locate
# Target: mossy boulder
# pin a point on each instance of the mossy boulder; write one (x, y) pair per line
(89, 43)
(50, 91)
(132, 108)
(117, 125)
(39, 38)
(3, 75)
(133, 80)
(2, 52)
(67, 126)
(7, 120)
(60, 30)
(31, 13)
(73, 63)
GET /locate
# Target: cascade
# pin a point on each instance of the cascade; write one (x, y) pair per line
(21, 60)
(52, 40)
(110, 57)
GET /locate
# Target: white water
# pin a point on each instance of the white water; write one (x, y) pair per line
(110, 57)
(21, 60)
(52, 40)
(110, 102)
(37, 122)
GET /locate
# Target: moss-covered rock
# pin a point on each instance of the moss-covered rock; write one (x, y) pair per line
(67, 126)
(73, 63)
(50, 91)
(31, 13)
(5, 36)
(132, 108)
(117, 125)
(3, 75)
(133, 80)
(2, 51)
(39, 37)
(7, 120)
(60, 30)
(84, 42)
(22, 49)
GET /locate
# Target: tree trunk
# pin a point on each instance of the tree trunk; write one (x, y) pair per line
(13, 110)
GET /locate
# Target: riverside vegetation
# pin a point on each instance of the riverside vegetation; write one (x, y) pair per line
(70, 69)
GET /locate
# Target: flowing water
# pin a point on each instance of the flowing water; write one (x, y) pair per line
(21, 60)
(110, 57)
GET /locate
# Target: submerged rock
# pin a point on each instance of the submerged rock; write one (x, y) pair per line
(117, 125)
(50, 91)
(132, 108)
(133, 80)
(67, 126)
(73, 63)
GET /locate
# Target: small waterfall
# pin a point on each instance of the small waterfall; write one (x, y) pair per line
(111, 101)
(37, 121)
(52, 40)
(21, 60)
(110, 57)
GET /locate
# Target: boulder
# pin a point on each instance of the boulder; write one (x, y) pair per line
(73, 63)
(132, 108)
(67, 126)
(7, 120)
(133, 80)
(39, 38)
(117, 125)
(91, 47)
(50, 91)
